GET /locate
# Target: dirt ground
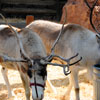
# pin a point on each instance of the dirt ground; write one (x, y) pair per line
(57, 78)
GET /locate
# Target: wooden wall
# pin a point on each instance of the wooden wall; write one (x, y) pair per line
(50, 9)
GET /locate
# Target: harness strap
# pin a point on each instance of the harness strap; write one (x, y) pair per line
(37, 84)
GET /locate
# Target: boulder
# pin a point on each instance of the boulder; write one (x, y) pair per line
(78, 12)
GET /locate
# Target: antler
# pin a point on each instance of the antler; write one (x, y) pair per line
(56, 41)
(5, 58)
(91, 13)
(61, 31)
(52, 55)
(25, 56)
(63, 65)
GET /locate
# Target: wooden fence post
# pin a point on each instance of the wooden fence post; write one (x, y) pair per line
(29, 19)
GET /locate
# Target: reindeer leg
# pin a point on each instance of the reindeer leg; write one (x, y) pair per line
(90, 74)
(51, 87)
(73, 80)
(25, 82)
(74, 77)
(67, 93)
(4, 73)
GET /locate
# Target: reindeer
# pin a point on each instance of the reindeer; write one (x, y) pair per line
(25, 52)
(74, 38)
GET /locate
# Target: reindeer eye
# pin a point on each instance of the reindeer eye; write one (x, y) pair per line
(29, 72)
(42, 72)
(29, 64)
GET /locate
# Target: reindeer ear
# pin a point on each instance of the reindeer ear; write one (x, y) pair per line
(23, 69)
(98, 38)
(1, 59)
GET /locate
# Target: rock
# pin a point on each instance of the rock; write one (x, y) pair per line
(78, 12)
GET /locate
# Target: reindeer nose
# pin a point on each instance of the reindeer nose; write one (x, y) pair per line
(38, 98)
(41, 96)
